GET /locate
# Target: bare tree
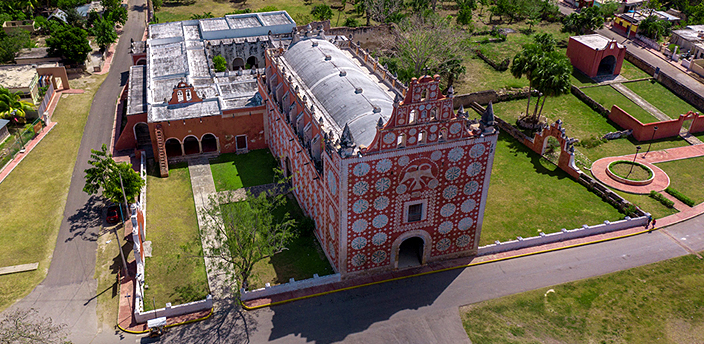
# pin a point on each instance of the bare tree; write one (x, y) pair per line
(381, 10)
(427, 43)
(25, 326)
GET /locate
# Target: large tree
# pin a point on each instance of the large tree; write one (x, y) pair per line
(588, 20)
(321, 12)
(111, 176)
(249, 230)
(26, 326)
(527, 61)
(104, 31)
(11, 44)
(11, 105)
(552, 77)
(71, 43)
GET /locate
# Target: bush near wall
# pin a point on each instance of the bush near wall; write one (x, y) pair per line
(660, 198)
(684, 199)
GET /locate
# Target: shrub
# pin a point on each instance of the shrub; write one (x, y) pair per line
(590, 142)
(246, 10)
(351, 22)
(321, 12)
(267, 9)
(219, 63)
(676, 194)
(660, 198)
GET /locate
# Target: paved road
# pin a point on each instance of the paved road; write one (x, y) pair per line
(665, 67)
(67, 294)
(425, 309)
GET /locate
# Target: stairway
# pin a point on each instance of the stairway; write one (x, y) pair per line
(163, 160)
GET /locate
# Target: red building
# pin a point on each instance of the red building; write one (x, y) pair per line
(596, 55)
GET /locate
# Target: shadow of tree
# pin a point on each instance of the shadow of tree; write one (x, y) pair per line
(84, 220)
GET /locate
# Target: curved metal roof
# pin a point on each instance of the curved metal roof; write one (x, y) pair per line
(320, 67)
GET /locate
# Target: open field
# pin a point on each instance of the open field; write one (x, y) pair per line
(301, 260)
(527, 194)
(687, 177)
(232, 171)
(176, 271)
(660, 97)
(608, 96)
(298, 10)
(34, 195)
(657, 303)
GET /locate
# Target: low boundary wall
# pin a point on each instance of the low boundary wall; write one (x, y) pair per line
(646, 132)
(290, 286)
(565, 234)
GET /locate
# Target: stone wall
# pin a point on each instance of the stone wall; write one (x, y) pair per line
(484, 97)
(369, 37)
(647, 132)
(589, 101)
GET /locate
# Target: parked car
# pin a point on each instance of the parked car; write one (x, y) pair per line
(113, 214)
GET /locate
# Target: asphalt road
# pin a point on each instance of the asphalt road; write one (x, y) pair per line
(425, 309)
(67, 294)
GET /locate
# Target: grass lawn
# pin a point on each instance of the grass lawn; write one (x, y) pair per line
(232, 171)
(34, 195)
(655, 208)
(303, 258)
(176, 271)
(581, 122)
(528, 194)
(660, 97)
(608, 96)
(657, 303)
(687, 177)
(298, 10)
(631, 72)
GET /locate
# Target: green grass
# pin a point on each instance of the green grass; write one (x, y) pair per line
(660, 97)
(648, 204)
(34, 195)
(631, 171)
(528, 194)
(176, 271)
(687, 177)
(608, 96)
(301, 260)
(298, 10)
(657, 303)
(583, 123)
(232, 171)
(631, 72)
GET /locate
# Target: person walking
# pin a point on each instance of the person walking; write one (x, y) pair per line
(650, 219)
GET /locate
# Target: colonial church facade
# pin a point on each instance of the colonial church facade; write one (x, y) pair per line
(391, 174)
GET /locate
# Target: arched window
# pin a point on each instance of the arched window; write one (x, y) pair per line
(188, 95)
(422, 137)
(443, 134)
(179, 95)
(423, 95)
(434, 113)
(401, 141)
(413, 117)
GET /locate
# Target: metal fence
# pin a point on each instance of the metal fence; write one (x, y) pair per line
(19, 138)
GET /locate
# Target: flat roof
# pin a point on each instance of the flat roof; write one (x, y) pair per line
(594, 41)
(136, 95)
(17, 76)
(3, 123)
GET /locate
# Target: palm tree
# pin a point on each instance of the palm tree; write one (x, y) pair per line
(12, 106)
(552, 78)
(528, 60)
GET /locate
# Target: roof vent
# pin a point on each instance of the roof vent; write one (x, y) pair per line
(358, 90)
(377, 109)
(328, 57)
(343, 73)
(315, 44)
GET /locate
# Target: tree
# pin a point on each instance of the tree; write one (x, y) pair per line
(25, 326)
(552, 77)
(104, 32)
(340, 9)
(589, 19)
(464, 15)
(219, 63)
(655, 28)
(321, 12)
(249, 230)
(106, 174)
(11, 44)
(382, 11)
(527, 61)
(71, 43)
(117, 15)
(11, 105)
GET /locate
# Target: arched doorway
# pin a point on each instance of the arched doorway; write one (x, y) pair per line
(237, 63)
(141, 62)
(191, 146)
(607, 65)
(173, 147)
(252, 62)
(141, 133)
(410, 253)
(209, 143)
(288, 167)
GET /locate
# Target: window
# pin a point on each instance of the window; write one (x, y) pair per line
(423, 95)
(413, 117)
(415, 212)
(422, 137)
(401, 141)
(188, 95)
(434, 113)
(179, 94)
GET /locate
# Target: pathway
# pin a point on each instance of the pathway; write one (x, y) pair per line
(203, 190)
(641, 102)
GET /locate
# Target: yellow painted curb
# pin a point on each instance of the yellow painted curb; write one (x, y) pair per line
(172, 325)
(442, 270)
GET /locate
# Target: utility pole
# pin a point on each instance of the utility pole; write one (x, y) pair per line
(122, 255)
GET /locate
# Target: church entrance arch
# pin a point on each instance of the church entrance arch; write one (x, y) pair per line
(607, 65)
(252, 62)
(191, 145)
(238, 63)
(209, 143)
(410, 252)
(141, 133)
(173, 147)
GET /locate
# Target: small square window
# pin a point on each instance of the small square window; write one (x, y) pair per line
(415, 212)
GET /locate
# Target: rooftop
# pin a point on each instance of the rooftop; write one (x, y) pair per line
(17, 76)
(3, 123)
(689, 34)
(595, 41)
(137, 97)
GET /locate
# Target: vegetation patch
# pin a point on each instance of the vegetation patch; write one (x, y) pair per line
(687, 176)
(630, 170)
(176, 271)
(233, 171)
(529, 194)
(648, 204)
(662, 199)
(676, 194)
(661, 303)
(608, 96)
(659, 96)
